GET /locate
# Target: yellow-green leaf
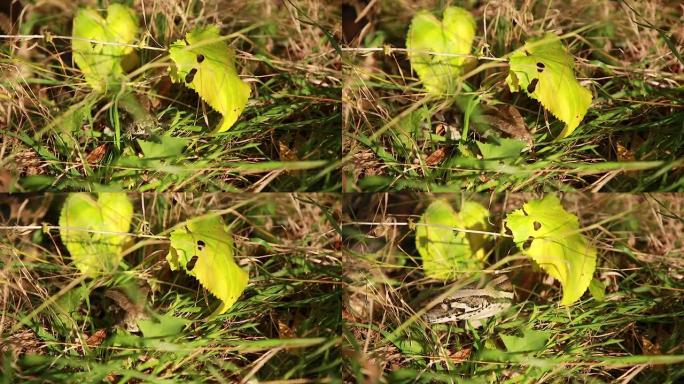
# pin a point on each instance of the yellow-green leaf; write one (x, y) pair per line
(203, 248)
(473, 216)
(444, 251)
(102, 62)
(545, 71)
(452, 36)
(207, 66)
(557, 245)
(94, 231)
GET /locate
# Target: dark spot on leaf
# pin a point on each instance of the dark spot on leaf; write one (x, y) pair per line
(191, 264)
(536, 225)
(532, 86)
(423, 241)
(191, 75)
(200, 58)
(200, 245)
(527, 243)
(523, 211)
(540, 67)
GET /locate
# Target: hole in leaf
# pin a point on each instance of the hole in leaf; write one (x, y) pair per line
(527, 243)
(540, 67)
(191, 264)
(191, 75)
(532, 86)
(200, 244)
(536, 225)
(200, 58)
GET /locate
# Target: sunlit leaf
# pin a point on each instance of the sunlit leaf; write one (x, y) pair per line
(101, 62)
(446, 252)
(557, 245)
(545, 71)
(208, 67)
(94, 231)
(203, 248)
(452, 36)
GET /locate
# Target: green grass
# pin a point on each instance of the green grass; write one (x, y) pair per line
(630, 140)
(285, 326)
(53, 126)
(635, 332)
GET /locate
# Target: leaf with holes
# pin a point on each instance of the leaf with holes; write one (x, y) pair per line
(94, 231)
(445, 252)
(557, 246)
(428, 35)
(544, 70)
(203, 248)
(205, 63)
(102, 62)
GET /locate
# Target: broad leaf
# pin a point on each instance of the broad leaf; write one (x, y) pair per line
(162, 326)
(207, 65)
(505, 151)
(102, 62)
(473, 216)
(452, 36)
(204, 249)
(557, 245)
(165, 148)
(94, 231)
(544, 70)
(531, 341)
(445, 252)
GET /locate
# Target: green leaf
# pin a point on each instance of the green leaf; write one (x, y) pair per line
(544, 70)
(204, 249)
(444, 252)
(506, 150)
(101, 62)
(165, 148)
(208, 67)
(162, 326)
(412, 128)
(531, 341)
(454, 35)
(597, 289)
(557, 245)
(94, 231)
